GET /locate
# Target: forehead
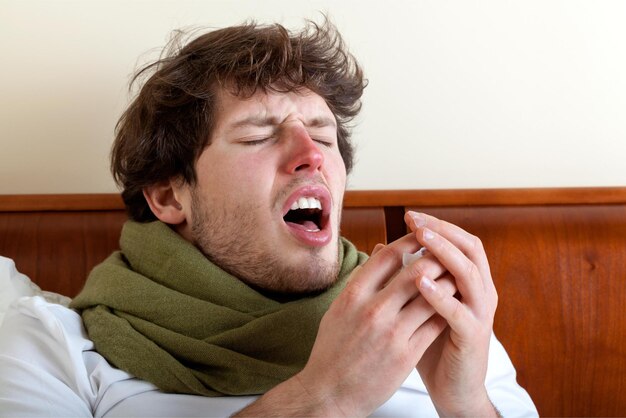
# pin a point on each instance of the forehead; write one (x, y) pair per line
(303, 104)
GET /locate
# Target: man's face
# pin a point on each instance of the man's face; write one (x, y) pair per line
(267, 203)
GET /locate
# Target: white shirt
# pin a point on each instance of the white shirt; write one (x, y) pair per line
(48, 367)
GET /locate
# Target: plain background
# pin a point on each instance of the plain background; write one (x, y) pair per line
(462, 94)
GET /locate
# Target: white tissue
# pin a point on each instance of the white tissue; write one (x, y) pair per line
(408, 258)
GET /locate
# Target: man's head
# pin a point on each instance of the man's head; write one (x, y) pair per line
(228, 131)
(169, 123)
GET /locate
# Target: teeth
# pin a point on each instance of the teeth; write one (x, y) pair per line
(307, 203)
(303, 203)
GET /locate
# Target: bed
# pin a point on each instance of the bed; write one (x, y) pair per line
(558, 257)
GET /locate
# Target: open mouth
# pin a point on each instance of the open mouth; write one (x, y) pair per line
(306, 212)
(307, 216)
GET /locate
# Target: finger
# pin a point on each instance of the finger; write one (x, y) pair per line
(462, 239)
(468, 278)
(469, 244)
(426, 334)
(380, 267)
(451, 309)
(401, 288)
(377, 248)
(419, 310)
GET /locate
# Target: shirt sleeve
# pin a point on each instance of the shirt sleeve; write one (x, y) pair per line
(509, 398)
(43, 371)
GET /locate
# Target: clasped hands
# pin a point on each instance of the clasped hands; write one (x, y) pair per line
(435, 314)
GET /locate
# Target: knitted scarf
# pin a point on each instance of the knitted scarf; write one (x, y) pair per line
(160, 310)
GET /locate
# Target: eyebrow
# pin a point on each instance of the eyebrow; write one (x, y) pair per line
(262, 121)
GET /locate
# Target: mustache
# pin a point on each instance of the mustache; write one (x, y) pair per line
(295, 183)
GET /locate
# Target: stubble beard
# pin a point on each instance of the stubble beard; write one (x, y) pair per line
(227, 238)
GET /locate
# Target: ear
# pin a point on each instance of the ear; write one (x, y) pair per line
(165, 202)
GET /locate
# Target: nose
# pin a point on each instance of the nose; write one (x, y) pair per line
(303, 153)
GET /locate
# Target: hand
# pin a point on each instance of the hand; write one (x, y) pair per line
(370, 339)
(455, 366)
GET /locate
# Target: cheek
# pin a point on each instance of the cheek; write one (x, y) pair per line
(246, 176)
(336, 176)
(336, 169)
(223, 169)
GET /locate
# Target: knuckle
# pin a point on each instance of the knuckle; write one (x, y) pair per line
(447, 286)
(429, 331)
(436, 325)
(439, 245)
(386, 252)
(472, 271)
(352, 293)
(377, 248)
(446, 224)
(391, 333)
(458, 312)
(416, 269)
(476, 244)
(374, 314)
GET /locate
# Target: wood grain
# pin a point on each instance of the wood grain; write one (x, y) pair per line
(57, 250)
(486, 197)
(364, 227)
(60, 202)
(357, 198)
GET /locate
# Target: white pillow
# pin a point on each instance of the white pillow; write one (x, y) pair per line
(14, 285)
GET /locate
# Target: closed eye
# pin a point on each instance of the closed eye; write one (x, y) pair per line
(257, 141)
(325, 142)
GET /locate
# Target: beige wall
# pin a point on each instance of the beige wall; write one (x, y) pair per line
(462, 93)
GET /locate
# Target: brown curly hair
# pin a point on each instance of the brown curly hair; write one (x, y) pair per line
(169, 123)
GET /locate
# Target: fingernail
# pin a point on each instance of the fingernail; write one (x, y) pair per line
(428, 234)
(417, 219)
(427, 284)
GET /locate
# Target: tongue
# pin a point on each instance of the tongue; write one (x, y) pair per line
(306, 225)
(310, 226)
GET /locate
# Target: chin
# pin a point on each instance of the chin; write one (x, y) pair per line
(313, 272)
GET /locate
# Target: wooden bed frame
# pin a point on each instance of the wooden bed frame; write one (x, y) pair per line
(558, 257)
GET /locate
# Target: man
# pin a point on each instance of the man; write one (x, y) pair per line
(233, 292)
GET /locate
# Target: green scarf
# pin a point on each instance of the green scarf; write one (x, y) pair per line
(162, 311)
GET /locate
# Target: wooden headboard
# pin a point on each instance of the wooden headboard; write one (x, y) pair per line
(558, 257)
